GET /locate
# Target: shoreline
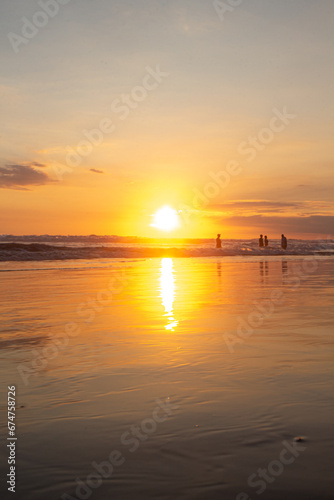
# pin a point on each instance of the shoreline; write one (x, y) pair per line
(21, 252)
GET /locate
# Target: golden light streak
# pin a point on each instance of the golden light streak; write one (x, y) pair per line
(167, 292)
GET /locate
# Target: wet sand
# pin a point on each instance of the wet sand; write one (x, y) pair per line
(187, 378)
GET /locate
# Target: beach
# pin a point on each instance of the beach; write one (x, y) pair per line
(170, 378)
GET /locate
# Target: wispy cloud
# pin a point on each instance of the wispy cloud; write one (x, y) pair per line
(36, 164)
(23, 176)
(95, 171)
(257, 206)
(248, 208)
(316, 224)
(271, 217)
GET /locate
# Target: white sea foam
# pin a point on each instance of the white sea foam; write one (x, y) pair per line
(64, 248)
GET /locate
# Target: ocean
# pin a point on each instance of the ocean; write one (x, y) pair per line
(30, 248)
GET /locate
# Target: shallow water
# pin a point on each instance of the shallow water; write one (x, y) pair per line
(239, 352)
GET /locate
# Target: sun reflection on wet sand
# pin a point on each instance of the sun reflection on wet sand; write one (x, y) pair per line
(167, 292)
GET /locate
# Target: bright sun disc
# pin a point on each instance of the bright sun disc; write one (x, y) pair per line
(166, 219)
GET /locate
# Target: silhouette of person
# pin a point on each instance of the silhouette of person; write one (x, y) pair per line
(284, 242)
(266, 242)
(218, 241)
(261, 241)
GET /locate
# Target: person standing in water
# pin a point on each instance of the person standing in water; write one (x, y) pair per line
(261, 241)
(284, 242)
(218, 241)
(266, 242)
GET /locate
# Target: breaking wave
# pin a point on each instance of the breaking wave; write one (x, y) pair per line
(29, 251)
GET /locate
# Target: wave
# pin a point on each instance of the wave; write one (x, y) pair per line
(40, 251)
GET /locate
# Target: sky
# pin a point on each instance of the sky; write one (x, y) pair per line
(111, 109)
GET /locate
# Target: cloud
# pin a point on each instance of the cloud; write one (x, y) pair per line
(36, 164)
(249, 207)
(311, 224)
(22, 176)
(96, 171)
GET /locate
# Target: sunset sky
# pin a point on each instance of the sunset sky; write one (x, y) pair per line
(213, 90)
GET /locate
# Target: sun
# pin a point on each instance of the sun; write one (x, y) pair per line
(166, 219)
